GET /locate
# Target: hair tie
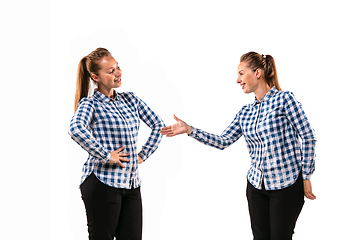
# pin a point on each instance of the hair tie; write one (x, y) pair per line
(264, 56)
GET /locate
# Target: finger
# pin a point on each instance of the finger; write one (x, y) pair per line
(124, 159)
(121, 165)
(124, 154)
(168, 128)
(166, 132)
(120, 149)
(310, 195)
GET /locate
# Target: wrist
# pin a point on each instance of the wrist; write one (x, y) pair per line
(189, 130)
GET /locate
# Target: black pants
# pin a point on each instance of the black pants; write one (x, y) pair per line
(112, 212)
(274, 213)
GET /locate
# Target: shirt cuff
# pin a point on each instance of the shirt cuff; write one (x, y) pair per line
(193, 132)
(306, 176)
(142, 155)
(105, 160)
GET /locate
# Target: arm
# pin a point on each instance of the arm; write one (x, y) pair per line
(231, 134)
(152, 120)
(79, 132)
(299, 121)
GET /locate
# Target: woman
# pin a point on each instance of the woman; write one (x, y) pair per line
(281, 164)
(106, 125)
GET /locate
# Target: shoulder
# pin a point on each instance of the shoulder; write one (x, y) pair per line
(246, 107)
(244, 110)
(282, 94)
(289, 98)
(129, 98)
(127, 95)
(86, 102)
(284, 97)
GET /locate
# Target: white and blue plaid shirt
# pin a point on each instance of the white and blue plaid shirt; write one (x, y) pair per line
(101, 125)
(272, 129)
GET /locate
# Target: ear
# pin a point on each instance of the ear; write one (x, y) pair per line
(258, 73)
(94, 77)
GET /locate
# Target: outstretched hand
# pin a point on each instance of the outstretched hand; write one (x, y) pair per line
(179, 127)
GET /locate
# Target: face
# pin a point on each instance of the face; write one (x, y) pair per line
(109, 76)
(247, 78)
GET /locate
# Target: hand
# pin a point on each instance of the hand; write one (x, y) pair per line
(308, 190)
(178, 128)
(118, 157)
(140, 160)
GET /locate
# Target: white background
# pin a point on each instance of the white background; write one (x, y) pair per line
(180, 57)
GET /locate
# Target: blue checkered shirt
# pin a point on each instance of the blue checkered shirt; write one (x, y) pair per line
(279, 138)
(101, 125)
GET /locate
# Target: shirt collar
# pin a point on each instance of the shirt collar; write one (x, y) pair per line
(103, 98)
(267, 96)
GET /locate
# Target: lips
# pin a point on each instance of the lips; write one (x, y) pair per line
(118, 80)
(243, 85)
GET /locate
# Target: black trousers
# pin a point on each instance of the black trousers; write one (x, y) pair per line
(112, 212)
(274, 213)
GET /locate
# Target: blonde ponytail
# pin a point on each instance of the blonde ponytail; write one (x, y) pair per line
(265, 62)
(82, 82)
(88, 65)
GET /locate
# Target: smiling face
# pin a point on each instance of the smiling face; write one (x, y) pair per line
(247, 78)
(109, 75)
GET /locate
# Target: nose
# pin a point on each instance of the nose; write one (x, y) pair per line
(118, 72)
(238, 80)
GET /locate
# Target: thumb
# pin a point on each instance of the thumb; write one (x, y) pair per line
(176, 118)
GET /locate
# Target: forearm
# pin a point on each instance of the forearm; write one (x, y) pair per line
(152, 143)
(217, 141)
(308, 158)
(83, 137)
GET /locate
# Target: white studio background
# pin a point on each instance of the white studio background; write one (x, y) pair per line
(181, 58)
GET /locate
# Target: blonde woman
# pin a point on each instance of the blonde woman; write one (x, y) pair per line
(106, 125)
(281, 163)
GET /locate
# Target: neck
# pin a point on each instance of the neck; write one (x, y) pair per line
(261, 91)
(107, 92)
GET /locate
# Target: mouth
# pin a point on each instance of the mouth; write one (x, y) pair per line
(242, 85)
(117, 80)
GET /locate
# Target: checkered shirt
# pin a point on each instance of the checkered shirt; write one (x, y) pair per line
(101, 125)
(279, 138)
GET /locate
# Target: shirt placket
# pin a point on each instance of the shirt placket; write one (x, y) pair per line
(125, 117)
(258, 119)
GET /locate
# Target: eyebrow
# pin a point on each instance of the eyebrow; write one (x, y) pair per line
(113, 67)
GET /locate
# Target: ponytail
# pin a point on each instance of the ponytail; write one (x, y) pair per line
(88, 64)
(264, 62)
(82, 82)
(270, 72)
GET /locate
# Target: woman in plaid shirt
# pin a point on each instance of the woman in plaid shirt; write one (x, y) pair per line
(106, 125)
(281, 163)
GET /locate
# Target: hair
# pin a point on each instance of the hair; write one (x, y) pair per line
(265, 62)
(88, 65)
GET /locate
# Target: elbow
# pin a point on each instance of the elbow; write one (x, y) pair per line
(223, 147)
(161, 123)
(158, 124)
(72, 131)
